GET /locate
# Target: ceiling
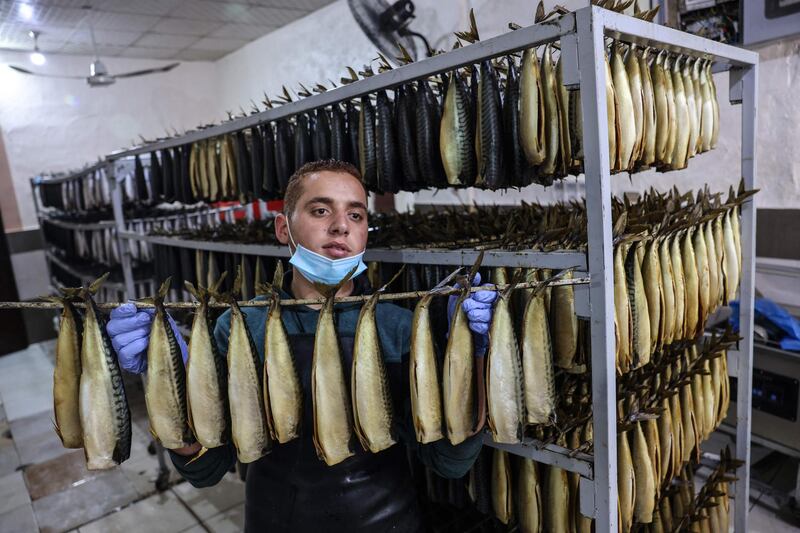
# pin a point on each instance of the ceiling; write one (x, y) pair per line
(189, 30)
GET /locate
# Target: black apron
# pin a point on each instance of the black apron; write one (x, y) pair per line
(291, 489)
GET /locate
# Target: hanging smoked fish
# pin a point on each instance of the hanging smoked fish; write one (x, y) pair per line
(243, 169)
(321, 135)
(537, 361)
(156, 179)
(302, 142)
(514, 156)
(372, 398)
(504, 382)
(270, 188)
(284, 158)
(206, 376)
(551, 115)
(165, 388)
(502, 486)
(333, 419)
(353, 118)
(456, 146)
(428, 121)
(367, 150)
(425, 392)
(531, 109)
(339, 148)
(283, 391)
(104, 413)
(168, 181)
(388, 170)
(405, 103)
(489, 131)
(255, 163)
(67, 371)
(141, 182)
(249, 426)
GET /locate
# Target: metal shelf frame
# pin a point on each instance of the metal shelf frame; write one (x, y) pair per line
(582, 35)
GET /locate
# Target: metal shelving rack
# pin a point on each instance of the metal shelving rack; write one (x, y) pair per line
(582, 35)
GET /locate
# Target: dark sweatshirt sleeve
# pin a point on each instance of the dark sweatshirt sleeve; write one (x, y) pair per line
(208, 469)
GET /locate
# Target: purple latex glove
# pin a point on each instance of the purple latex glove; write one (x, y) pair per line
(129, 329)
(478, 308)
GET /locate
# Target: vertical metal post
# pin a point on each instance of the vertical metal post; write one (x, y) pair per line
(749, 85)
(592, 71)
(119, 220)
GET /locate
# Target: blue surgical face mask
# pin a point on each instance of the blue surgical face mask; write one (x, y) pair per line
(318, 268)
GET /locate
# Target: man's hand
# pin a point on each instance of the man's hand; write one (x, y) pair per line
(129, 329)
(478, 308)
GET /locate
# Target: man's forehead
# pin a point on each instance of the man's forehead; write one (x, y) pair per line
(337, 186)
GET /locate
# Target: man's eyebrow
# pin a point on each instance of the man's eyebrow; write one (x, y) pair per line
(320, 200)
(359, 205)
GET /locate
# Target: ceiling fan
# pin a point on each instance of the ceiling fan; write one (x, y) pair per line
(98, 73)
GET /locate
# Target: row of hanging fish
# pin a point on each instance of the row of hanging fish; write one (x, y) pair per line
(670, 275)
(667, 410)
(89, 400)
(87, 193)
(506, 122)
(534, 497)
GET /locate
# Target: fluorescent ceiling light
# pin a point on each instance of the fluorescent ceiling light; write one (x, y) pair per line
(37, 58)
(25, 11)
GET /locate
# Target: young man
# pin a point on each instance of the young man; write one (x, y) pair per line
(325, 226)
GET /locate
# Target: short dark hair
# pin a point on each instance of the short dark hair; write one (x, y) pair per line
(294, 188)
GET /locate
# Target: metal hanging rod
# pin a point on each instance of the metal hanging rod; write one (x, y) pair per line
(305, 301)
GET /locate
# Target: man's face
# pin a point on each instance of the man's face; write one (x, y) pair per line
(330, 217)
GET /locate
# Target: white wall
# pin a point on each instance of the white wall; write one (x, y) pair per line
(52, 124)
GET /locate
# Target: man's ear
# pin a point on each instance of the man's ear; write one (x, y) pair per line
(282, 228)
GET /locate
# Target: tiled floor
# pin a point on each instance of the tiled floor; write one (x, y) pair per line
(45, 487)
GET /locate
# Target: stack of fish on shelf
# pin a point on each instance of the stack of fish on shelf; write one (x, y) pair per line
(507, 122)
(86, 193)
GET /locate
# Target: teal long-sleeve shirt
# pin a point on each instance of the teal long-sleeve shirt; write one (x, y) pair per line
(394, 330)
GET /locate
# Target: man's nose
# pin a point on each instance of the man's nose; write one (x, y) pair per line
(340, 225)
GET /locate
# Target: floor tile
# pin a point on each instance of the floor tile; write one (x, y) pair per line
(84, 502)
(160, 513)
(19, 520)
(9, 458)
(231, 521)
(36, 439)
(143, 472)
(57, 474)
(198, 528)
(13, 492)
(26, 382)
(211, 501)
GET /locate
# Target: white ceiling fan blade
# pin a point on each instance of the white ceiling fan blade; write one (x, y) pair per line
(26, 71)
(131, 74)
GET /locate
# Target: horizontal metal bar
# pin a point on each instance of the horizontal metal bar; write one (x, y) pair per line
(39, 180)
(635, 30)
(86, 226)
(211, 246)
(762, 441)
(83, 276)
(549, 454)
(555, 260)
(468, 55)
